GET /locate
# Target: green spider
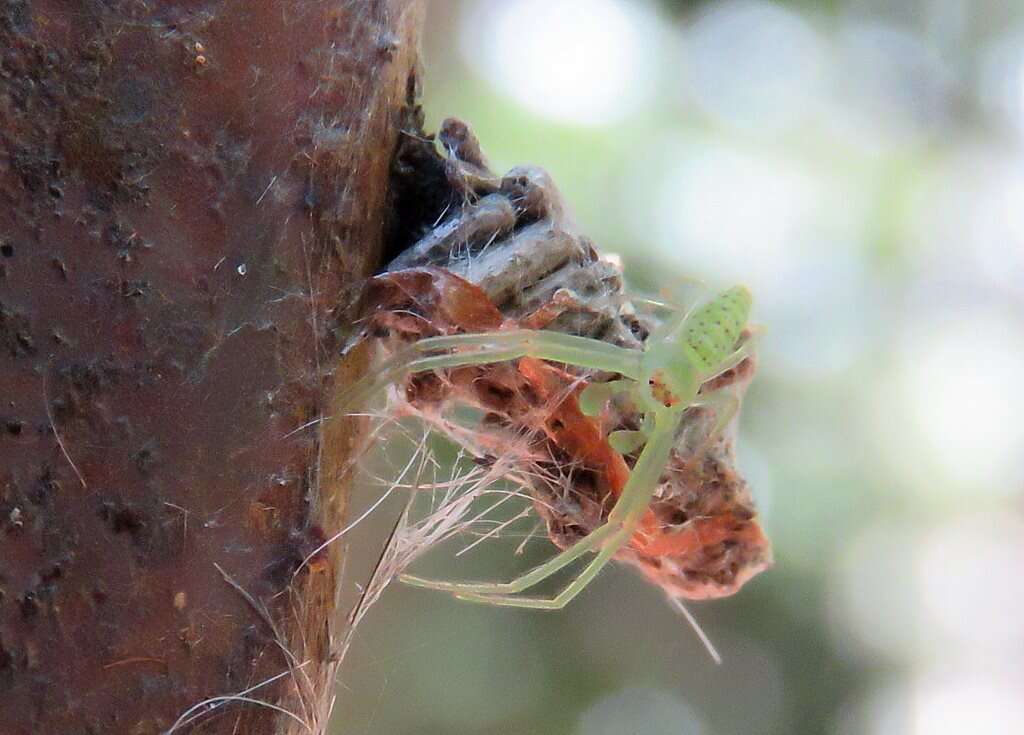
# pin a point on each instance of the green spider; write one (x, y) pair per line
(663, 380)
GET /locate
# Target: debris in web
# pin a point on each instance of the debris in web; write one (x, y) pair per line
(505, 255)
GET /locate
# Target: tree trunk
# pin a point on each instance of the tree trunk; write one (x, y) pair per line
(190, 194)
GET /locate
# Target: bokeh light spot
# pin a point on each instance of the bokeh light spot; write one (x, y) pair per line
(578, 61)
(736, 214)
(960, 382)
(947, 703)
(972, 586)
(635, 709)
(754, 65)
(871, 605)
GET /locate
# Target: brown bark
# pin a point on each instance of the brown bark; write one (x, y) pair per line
(189, 193)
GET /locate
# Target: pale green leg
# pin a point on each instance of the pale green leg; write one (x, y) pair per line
(673, 323)
(594, 397)
(566, 595)
(741, 353)
(592, 401)
(626, 442)
(621, 524)
(675, 299)
(582, 352)
(531, 578)
(494, 347)
(723, 404)
(409, 361)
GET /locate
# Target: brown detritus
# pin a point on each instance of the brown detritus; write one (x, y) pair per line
(424, 302)
(474, 272)
(189, 200)
(462, 145)
(465, 165)
(700, 538)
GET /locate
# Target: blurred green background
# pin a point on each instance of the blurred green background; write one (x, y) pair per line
(859, 164)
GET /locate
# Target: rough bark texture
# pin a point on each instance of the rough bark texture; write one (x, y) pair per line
(189, 192)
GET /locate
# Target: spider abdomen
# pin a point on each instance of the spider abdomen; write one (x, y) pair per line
(712, 331)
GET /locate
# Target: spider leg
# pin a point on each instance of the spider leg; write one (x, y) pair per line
(723, 401)
(675, 321)
(543, 345)
(626, 442)
(533, 577)
(684, 292)
(724, 404)
(595, 395)
(621, 524)
(674, 298)
(741, 353)
(488, 347)
(409, 361)
(561, 599)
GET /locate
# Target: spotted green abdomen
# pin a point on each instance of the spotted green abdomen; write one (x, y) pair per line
(712, 331)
